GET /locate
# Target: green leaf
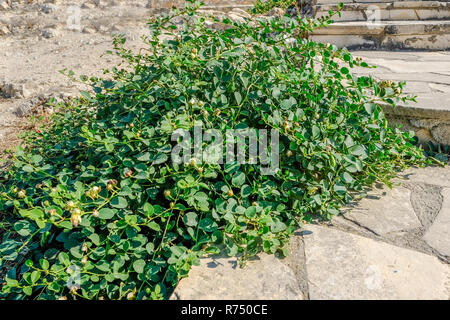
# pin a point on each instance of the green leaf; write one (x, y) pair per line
(28, 168)
(44, 264)
(28, 290)
(106, 213)
(246, 191)
(190, 219)
(139, 266)
(119, 203)
(34, 214)
(35, 275)
(154, 226)
(207, 225)
(148, 209)
(238, 179)
(24, 228)
(212, 250)
(357, 150)
(288, 103)
(250, 212)
(344, 70)
(238, 98)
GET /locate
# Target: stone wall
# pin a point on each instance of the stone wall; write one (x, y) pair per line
(219, 4)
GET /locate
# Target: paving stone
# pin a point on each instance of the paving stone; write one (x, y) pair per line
(221, 278)
(438, 235)
(344, 266)
(438, 176)
(385, 210)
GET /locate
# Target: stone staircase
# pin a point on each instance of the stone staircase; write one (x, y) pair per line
(387, 24)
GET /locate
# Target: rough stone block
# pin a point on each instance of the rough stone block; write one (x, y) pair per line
(341, 265)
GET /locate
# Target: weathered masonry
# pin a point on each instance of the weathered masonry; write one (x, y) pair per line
(389, 24)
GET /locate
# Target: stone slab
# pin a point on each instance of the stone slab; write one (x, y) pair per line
(438, 176)
(438, 235)
(221, 278)
(343, 266)
(384, 211)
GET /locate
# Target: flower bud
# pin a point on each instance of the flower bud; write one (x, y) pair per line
(75, 219)
(131, 295)
(95, 214)
(70, 205)
(113, 182)
(128, 173)
(21, 194)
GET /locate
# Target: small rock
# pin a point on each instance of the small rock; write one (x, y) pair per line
(4, 30)
(49, 33)
(276, 12)
(89, 30)
(3, 5)
(424, 135)
(442, 133)
(49, 8)
(23, 109)
(88, 5)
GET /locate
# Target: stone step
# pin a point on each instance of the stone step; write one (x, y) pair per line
(393, 10)
(366, 1)
(427, 76)
(222, 5)
(418, 35)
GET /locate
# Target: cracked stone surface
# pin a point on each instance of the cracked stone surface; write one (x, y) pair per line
(438, 235)
(384, 211)
(395, 246)
(221, 278)
(341, 265)
(426, 200)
